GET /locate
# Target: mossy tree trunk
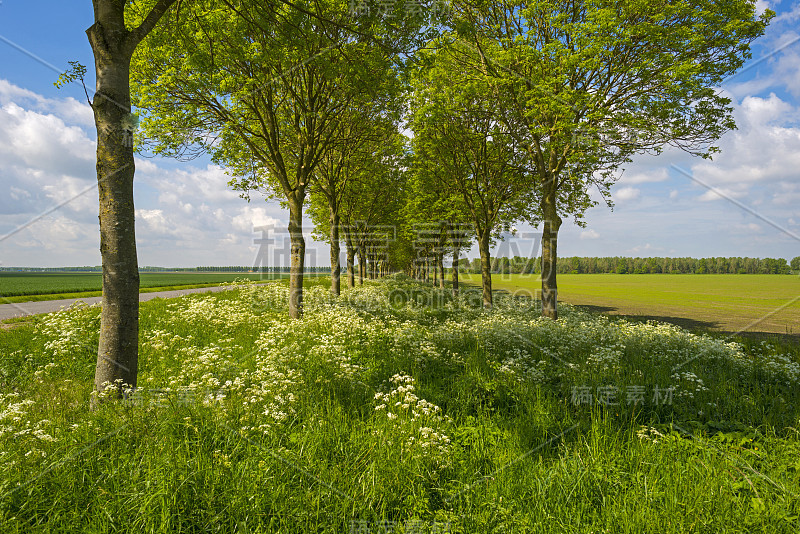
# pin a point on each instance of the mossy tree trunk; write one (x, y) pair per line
(298, 254)
(351, 259)
(484, 246)
(113, 46)
(552, 223)
(361, 265)
(335, 265)
(456, 252)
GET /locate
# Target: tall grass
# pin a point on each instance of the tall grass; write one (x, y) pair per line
(396, 407)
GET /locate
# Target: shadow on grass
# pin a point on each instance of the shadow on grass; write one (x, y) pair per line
(683, 322)
(713, 328)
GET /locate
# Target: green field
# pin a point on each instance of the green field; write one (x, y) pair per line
(14, 284)
(717, 302)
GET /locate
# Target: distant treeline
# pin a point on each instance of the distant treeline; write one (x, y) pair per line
(620, 265)
(148, 269)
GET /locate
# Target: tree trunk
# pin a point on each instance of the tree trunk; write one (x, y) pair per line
(335, 266)
(435, 270)
(440, 260)
(486, 267)
(552, 223)
(456, 252)
(117, 352)
(298, 252)
(113, 45)
(361, 265)
(351, 253)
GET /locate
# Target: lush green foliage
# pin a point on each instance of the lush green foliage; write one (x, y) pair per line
(395, 402)
(583, 86)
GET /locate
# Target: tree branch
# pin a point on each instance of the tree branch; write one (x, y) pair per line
(135, 37)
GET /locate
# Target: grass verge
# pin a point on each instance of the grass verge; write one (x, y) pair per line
(396, 406)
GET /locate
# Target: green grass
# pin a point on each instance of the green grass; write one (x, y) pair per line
(279, 425)
(714, 302)
(85, 294)
(13, 284)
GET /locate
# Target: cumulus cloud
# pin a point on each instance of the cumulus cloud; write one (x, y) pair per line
(750, 228)
(44, 142)
(69, 109)
(761, 6)
(589, 234)
(759, 161)
(646, 248)
(627, 193)
(250, 217)
(156, 223)
(720, 193)
(645, 176)
(46, 161)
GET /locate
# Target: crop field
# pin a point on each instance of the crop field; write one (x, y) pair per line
(37, 283)
(397, 407)
(714, 302)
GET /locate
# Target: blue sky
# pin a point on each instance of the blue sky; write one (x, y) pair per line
(746, 202)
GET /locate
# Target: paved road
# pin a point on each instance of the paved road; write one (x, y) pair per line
(21, 309)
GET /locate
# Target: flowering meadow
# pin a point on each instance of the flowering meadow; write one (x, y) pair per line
(396, 407)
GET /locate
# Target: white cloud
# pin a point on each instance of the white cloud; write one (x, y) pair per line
(762, 111)
(788, 16)
(763, 152)
(32, 140)
(157, 224)
(250, 217)
(750, 228)
(589, 234)
(648, 176)
(69, 109)
(720, 193)
(647, 247)
(18, 194)
(627, 193)
(209, 184)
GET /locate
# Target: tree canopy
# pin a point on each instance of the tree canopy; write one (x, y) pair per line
(582, 86)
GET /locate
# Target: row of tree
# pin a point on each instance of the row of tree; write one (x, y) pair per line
(467, 120)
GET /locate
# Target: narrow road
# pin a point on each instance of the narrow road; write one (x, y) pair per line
(21, 309)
